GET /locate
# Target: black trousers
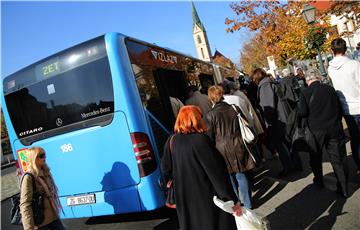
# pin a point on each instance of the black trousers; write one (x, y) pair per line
(335, 148)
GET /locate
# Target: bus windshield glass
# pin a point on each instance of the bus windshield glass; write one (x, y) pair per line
(66, 92)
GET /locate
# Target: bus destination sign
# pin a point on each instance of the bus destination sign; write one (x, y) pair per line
(48, 69)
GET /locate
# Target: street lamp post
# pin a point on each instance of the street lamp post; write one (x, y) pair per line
(309, 16)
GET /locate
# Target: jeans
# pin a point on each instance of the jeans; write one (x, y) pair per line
(241, 188)
(55, 225)
(353, 123)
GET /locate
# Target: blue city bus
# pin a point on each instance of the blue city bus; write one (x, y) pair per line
(101, 111)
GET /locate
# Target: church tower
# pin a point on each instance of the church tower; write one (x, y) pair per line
(200, 37)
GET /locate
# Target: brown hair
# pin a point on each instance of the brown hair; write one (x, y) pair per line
(258, 75)
(215, 93)
(189, 120)
(338, 46)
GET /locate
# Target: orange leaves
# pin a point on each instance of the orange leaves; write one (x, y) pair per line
(280, 28)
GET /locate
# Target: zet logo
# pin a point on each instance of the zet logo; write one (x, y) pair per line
(23, 159)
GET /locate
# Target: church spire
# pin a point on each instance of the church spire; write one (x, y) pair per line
(200, 38)
(196, 19)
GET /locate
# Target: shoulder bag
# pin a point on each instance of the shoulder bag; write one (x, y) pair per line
(37, 205)
(170, 192)
(248, 133)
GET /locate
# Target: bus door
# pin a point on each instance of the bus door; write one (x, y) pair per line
(169, 83)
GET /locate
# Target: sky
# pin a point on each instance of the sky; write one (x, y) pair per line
(31, 31)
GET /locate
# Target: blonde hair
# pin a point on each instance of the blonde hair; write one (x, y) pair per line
(216, 93)
(34, 152)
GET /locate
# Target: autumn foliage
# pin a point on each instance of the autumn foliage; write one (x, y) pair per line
(279, 29)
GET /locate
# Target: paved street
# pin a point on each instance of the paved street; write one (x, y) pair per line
(288, 203)
(9, 182)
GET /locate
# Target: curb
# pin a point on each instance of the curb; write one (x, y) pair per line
(8, 165)
(8, 198)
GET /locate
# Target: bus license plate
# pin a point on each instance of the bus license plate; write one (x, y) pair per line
(79, 200)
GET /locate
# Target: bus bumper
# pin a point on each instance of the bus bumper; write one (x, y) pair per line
(142, 197)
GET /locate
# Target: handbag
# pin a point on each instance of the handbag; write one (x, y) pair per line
(170, 192)
(37, 205)
(248, 133)
(303, 139)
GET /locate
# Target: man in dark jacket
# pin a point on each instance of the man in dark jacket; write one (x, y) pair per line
(320, 105)
(290, 88)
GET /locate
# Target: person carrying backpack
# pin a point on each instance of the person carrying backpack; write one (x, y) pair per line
(290, 88)
(275, 110)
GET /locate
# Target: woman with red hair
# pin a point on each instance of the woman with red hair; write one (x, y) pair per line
(198, 172)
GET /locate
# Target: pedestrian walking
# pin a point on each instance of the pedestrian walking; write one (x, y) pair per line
(198, 172)
(275, 112)
(198, 99)
(345, 76)
(44, 184)
(224, 130)
(290, 88)
(320, 106)
(300, 77)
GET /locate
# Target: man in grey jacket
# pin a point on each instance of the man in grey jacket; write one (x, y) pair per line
(198, 99)
(275, 115)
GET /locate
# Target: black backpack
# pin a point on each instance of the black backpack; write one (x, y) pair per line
(282, 102)
(37, 205)
(290, 90)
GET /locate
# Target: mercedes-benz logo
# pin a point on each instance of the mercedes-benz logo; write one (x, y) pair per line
(59, 122)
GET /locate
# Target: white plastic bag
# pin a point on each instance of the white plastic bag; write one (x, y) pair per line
(249, 220)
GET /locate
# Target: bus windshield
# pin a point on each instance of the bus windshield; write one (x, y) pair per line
(67, 92)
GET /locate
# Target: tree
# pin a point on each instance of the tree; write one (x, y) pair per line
(253, 55)
(340, 7)
(280, 26)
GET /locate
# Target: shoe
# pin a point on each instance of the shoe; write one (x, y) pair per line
(342, 193)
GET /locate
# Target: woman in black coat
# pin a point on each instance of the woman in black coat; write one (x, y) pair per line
(198, 173)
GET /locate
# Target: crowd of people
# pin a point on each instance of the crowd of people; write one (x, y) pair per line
(207, 153)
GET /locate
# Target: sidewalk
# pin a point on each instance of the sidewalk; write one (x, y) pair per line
(9, 183)
(293, 202)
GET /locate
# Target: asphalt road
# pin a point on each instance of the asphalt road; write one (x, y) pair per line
(6, 171)
(161, 219)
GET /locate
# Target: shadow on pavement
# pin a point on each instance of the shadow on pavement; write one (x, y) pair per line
(304, 209)
(263, 188)
(169, 215)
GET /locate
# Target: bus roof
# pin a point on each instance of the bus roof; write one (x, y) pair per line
(79, 44)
